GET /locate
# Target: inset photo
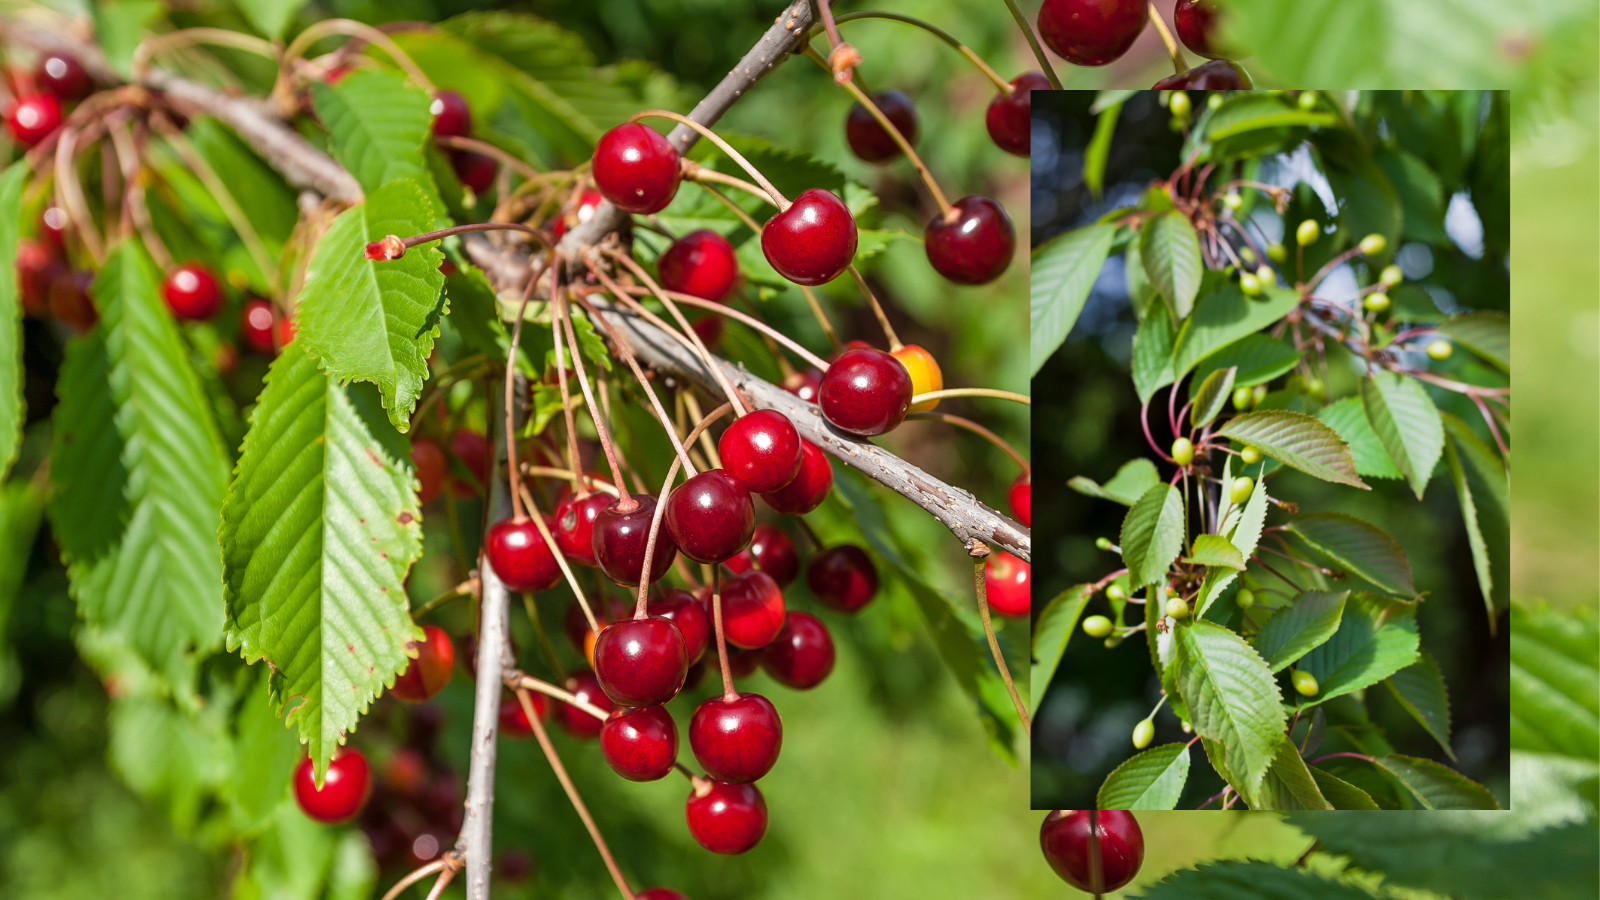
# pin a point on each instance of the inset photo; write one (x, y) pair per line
(1270, 347)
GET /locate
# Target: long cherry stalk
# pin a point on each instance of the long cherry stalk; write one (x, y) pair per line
(643, 593)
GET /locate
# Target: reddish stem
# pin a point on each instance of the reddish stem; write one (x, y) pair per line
(728, 693)
(624, 502)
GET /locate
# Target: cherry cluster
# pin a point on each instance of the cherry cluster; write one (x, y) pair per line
(1097, 32)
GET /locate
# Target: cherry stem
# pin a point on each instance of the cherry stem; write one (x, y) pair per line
(409, 242)
(979, 577)
(778, 199)
(822, 318)
(728, 693)
(1179, 66)
(241, 223)
(354, 29)
(641, 600)
(188, 37)
(572, 792)
(513, 473)
(590, 483)
(996, 393)
(707, 446)
(705, 176)
(468, 588)
(524, 681)
(1033, 44)
(564, 315)
(456, 142)
(744, 319)
(1004, 86)
(829, 23)
(415, 876)
(979, 430)
(877, 311)
(1361, 756)
(573, 460)
(447, 874)
(1097, 866)
(561, 559)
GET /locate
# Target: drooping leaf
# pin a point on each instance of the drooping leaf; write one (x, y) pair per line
(1484, 493)
(1126, 487)
(1063, 272)
(1231, 697)
(1555, 681)
(12, 408)
(319, 530)
(1289, 784)
(1486, 333)
(1421, 690)
(1342, 794)
(1051, 632)
(1094, 158)
(1257, 357)
(1153, 779)
(1170, 252)
(1212, 396)
(1296, 440)
(1349, 418)
(1299, 628)
(1225, 316)
(1407, 424)
(1363, 548)
(1436, 786)
(1236, 880)
(1375, 640)
(1152, 534)
(1215, 550)
(1152, 352)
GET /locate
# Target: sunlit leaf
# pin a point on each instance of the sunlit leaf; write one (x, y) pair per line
(1297, 440)
(1299, 628)
(1152, 779)
(1063, 272)
(1170, 252)
(1231, 697)
(1375, 640)
(1126, 487)
(1407, 424)
(1152, 534)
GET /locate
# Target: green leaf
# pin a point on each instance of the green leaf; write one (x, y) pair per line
(1242, 527)
(1051, 632)
(1257, 357)
(270, 18)
(1215, 550)
(1063, 272)
(1152, 353)
(1153, 779)
(1367, 202)
(1212, 396)
(1104, 100)
(88, 507)
(1225, 316)
(120, 26)
(1555, 681)
(1421, 690)
(1289, 784)
(12, 407)
(265, 756)
(1420, 192)
(1407, 424)
(1126, 487)
(1152, 535)
(166, 755)
(1231, 697)
(377, 122)
(320, 526)
(1299, 628)
(1486, 333)
(1170, 252)
(1250, 881)
(1316, 41)
(1254, 125)
(375, 321)
(1349, 418)
(1297, 440)
(1363, 548)
(1375, 640)
(1436, 786)
(1094, 158)
(1342, 794)
(1139, 290)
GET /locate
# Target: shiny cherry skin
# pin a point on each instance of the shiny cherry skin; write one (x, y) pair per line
(1217, 75)
(1009, 115)
(802, 654)
(430, 671)
(636, 168)
(451, 115)
(681, 608)
(586, 687)
(514, 724)
(726, 818)
(345, 788)
(1064, 838)
(772, 552)
(475, 170)
(588, 202)
(762, 450)
(974, 248)
(620, 537)
(809, 488)
(63, 76)
(31, 119)
(53, 223)
(710, 516)
(192, 292)
(574, 525)
(700, 264)
(865, 393)
(641, 662)
(752, 610)
(1091, 32)
(804, 384)
(1006, 585)
(660, 893)
(842, 578)
(1021, 497)
(736, 740)
(926, 376)
(255, 326)
(640, 744)
(432, 467)
(521, 558)
(868, 139)
(1196, 24)
(812, 241)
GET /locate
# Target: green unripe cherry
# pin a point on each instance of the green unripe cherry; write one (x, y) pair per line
(1373, 244)
(1315, 389)
(1097, 626)
(1187, 728)
(1250, 284)
(1242, 398)
(1102, 543)
(1304, 683)
(1213, 101)
(1307, 100)
(1112, 642)
(1391, 276)
(1277, 253)
(1266, 276)
(1245, 599)
(1250, 455)
(1183, 451)
(1180, 105)
(1177, 608)
(1307, 233)
(1377, 302)
(1248, 255)
(1240, 490)
(1143, 734)
(1261, 393)
(1233, 201)
(1115, 592)
(1441, 349)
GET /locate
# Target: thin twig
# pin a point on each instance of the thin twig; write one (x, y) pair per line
(1033, 44)
(979, 578)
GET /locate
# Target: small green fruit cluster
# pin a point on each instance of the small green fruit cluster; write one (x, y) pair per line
(1183, 451)
(1097, 626)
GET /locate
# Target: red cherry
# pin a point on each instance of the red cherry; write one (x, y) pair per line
(636, 168)
(868, 139)
(1009, 115)
(1091, 32)
(802, 654)
(804, 384)
(1217, 75)
(588, 202)
(519, 555)
(430, 671)
(31, 119)
(37, 266)
(809, 488)
(286, 329)
(63, 76)
(431, 466)
(726, 818)
(451, 115)
(586, 687)
(472, 448)
(641, 662)
(865, 392)
(770, 551)
(192, 292)
(475, 170)
(700, 264)
(660, 893)
(752, 610)
(812, 241)
(1064, 837)
(573, 525)
(620, 538)
(683, 610)
(514, 724)
(1007, 585)
(736, 740)
(69, 299)
(762, 450)
(640, 744)
(345, 788)
(1020, 497)
(710, 516)
(842, 578)
(976, 247)
(1196, 22)
(255, 326)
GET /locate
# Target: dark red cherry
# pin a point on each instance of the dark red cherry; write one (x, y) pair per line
(640, 744)
(710, 516)
(772, 552)
(1196, 22)
(69, 299)
(762, 450)
(37, 266)
(345, 788)
(514, 724)
(1217, 75)
(430, 671)
(636, 168)
(804, 384)
(192, 292)
(1009, 115)
(802, 654)
(620, 537)
(842, 578)
(475, 170)
(429, 461)
(700, 264)
(868, 139)
(586, 687)
(31, 119)
(1006, 585)
(641, 662)
(1091, 32)
(573, 525)
(588, 202)
(865, 392)
(683, 610)
(255, 326)
(1021, 499)
(736, 740)
(1064, 837)
(472, 449)
(975, 246)
(63, 76)
(451, 115)
(660, 893)
(812, 241)
(709, 328)
(752, 610)
(809, 488)
(518, 554)
(726, 818)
